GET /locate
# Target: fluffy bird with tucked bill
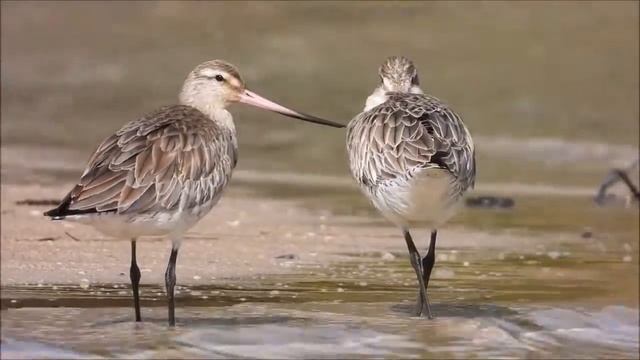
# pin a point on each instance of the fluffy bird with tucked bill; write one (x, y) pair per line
(160, 174)
(413, 158)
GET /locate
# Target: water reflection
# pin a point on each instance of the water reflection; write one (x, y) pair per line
(328, 331)
(361, 308)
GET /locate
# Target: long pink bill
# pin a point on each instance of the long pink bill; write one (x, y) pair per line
(251, 98)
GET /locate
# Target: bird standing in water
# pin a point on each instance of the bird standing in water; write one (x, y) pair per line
(160, 174)
(413, 158)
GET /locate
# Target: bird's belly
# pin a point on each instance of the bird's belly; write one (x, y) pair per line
(164, 223)
(424, 200)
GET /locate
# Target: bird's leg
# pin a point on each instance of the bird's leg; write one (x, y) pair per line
(614, 176)
(611, 179)
(170, 282)
(134, 274)
(632, 188)
(427, 265)
(414, 256)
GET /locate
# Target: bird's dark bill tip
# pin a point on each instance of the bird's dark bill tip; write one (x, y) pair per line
(313, 119)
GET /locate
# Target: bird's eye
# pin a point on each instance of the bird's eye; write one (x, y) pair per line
(219, 78)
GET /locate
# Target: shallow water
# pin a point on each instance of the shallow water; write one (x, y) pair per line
(569, 293)
(333, 331)
(547, 131)
(516, 304)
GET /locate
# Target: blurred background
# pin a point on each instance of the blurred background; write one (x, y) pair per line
(549, 91)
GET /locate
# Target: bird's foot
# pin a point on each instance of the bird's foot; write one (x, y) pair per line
(423, 308)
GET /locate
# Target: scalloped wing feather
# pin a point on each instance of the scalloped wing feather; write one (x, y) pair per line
(172, 157)
(408, 133)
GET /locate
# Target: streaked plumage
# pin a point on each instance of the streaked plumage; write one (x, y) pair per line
(171, 164)
(160, 174)
(410, 153)
(407, 139)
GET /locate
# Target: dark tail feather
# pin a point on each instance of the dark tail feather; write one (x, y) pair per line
(63, 210)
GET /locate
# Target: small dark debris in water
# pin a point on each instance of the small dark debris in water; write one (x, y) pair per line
(287, 257)
(71, 236)
(587, 235)
(46, 239)
(38, 202)
(490, 202)
(121, 274)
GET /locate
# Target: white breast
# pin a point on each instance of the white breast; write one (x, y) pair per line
(423, 200)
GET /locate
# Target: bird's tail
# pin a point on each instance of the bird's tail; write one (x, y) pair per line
(61, 211)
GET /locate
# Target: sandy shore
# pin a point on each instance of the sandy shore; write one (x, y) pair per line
(243, 236)
(239, 238)
(246, 237)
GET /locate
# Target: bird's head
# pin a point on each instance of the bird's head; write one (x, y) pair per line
(398, 74)
(216, 84)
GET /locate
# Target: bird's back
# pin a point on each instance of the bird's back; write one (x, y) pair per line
(394, 145)
(172, 160)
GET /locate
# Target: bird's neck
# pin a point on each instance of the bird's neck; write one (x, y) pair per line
(380, 96)
(222, 117)
(215, 111)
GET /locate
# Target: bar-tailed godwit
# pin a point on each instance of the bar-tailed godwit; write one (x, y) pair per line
(160, 174)
(413, 158)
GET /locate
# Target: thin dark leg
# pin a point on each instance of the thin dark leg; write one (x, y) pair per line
(170, 282)
(134, 273)
(613, 177)
(414, 256)
(427, 265)
(625, 178)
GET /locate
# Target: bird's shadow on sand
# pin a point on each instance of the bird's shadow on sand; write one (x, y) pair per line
(468, 311)
(200, 321)
(439, 310)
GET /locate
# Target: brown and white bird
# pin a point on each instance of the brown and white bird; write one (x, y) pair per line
(413, 158)
(160, 174)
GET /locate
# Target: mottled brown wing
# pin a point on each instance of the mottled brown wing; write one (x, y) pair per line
(408, 133)
(172, 158)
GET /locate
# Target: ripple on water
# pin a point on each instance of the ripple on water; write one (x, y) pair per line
(269, 341)
(612, 331)
(16, 349)
(556, 332)
(323, 330)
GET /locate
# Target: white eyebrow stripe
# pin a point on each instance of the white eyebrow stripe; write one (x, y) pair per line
(209, 72)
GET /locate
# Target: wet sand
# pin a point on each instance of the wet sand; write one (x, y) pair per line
(239, 238)
(243, 236)
(280, 255)
(347, 292)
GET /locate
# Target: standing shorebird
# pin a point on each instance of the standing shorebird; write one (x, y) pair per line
(413, 158)
(160, 174)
